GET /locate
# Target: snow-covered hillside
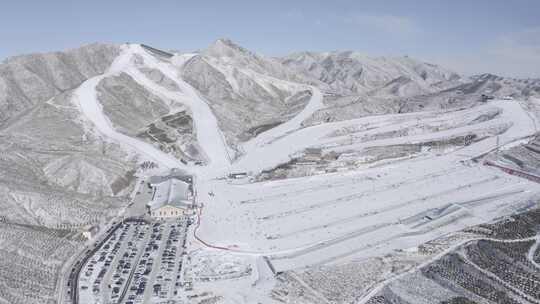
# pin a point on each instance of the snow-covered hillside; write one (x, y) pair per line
(341, 157)
(248, 93)
(354, 73)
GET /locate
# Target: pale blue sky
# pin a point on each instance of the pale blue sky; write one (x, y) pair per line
(468, 36)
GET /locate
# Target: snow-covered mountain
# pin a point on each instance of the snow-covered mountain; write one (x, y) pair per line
(500, 87)
(40, 126)
(31, 79)
(54, 175)
(225, 51)
(75, 127)
(355, 73)
(247, 92)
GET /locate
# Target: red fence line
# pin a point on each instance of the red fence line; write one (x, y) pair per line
(515, 172)
(199, 214)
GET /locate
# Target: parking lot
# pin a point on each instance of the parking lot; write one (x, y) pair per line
(139, 263)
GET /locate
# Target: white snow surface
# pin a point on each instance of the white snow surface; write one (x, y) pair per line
(331, 217)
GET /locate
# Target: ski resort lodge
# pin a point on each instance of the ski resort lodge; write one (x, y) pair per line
(171, 197)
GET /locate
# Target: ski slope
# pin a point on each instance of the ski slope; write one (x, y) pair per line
(276, 148)
(328, 218)
(208, 133)
(85, 97)
(334, 217)
(257, 145)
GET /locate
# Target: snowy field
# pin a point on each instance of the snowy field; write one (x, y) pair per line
(332, 217)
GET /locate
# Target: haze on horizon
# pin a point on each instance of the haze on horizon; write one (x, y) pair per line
(469, 37)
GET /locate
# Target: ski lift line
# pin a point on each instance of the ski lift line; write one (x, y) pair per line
(157, 51)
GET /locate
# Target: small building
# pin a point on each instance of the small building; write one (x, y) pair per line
(313, 154)
(172, 197)
(238, 175)
(485, 98)
(90, 232)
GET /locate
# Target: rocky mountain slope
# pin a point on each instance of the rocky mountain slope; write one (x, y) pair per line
(28, 80)
(54, 175)
(355, 73)
(359, 85)
(248, 93)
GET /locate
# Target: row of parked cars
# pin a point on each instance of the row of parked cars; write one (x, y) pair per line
(116, 258)
(144, 266)
(168, 276)
(126, 262)
(137, 255)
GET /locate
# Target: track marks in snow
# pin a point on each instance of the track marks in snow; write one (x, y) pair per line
(407, 204)
(336, 216)
(360, 192)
